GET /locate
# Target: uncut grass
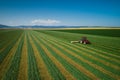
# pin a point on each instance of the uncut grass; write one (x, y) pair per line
(12, 72)
(103, 32)
(4, 66)
(74, 58)
(53, 70)
(33, 72)
(76, 72)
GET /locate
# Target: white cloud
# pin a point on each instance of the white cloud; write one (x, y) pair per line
(45, 22)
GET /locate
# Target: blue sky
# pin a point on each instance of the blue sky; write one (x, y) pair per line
(60, 12)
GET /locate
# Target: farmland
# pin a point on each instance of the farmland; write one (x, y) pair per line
(48, 55)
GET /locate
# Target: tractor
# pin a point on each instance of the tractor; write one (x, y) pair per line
(83, 40)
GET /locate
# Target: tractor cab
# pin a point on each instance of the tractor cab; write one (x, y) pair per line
(84, 40)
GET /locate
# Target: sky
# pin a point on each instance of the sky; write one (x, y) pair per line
(60, 12)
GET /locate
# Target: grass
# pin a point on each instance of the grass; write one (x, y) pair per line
(101, 32)
(49, 55)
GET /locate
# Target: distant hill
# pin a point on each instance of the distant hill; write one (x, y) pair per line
(40, 26)
(4, 26)
(37, 26)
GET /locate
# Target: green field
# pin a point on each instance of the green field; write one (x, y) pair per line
(49, 55)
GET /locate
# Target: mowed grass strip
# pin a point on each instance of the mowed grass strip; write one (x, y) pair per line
(44, 74)
(23, 69)
(93, 65)
(65, 73)
(4, 66)
(79, 67)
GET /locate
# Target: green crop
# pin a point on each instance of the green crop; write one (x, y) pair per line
(50, 51)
